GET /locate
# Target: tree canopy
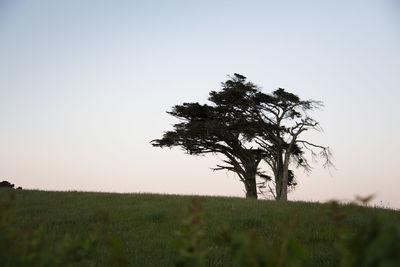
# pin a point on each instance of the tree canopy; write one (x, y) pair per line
(248, 126)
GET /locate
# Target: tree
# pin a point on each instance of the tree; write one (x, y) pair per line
(287, 116)
(247, 126)
(225, 128)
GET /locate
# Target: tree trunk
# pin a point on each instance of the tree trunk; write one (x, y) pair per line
(278, 177)
(278, 186)
(285, 175)
(250, 183)
(284, 186)
(251, 188)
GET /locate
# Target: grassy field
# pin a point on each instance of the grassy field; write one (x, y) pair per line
(145, 226)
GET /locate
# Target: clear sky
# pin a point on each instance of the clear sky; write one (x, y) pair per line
(84, 86)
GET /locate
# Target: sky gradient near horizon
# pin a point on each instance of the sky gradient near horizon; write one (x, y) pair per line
(84, 86)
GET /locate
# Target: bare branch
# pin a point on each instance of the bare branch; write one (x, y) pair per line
(271, 191)
(325, 153)
(311, 144)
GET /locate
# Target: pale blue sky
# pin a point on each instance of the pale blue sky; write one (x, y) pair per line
(84, 86)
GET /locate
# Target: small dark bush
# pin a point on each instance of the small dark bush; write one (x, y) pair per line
(6, 184)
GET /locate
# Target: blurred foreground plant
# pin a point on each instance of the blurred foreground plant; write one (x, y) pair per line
(245, 249)
(250, 250)
(35, 247)
(375, 243)
(190, 243)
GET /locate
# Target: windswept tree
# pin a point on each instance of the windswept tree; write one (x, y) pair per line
(225, 127)
(288, 118)
(247, 126)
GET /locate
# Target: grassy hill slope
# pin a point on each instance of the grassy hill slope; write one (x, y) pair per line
(144, 226)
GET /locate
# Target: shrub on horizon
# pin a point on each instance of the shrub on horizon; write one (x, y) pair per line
(6, 184)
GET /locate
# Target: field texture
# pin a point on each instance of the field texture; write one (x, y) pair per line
(151, 230)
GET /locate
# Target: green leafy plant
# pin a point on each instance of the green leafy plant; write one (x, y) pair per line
(375, 243)
(192, 250)
(250, 250)
(34, 247)
(244, 249)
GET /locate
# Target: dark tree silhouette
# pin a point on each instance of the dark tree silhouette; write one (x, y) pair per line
(287, 116)
(225, 127)
(246, 126)
(6, 184)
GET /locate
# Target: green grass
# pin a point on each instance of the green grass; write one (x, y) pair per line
(146, 224)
